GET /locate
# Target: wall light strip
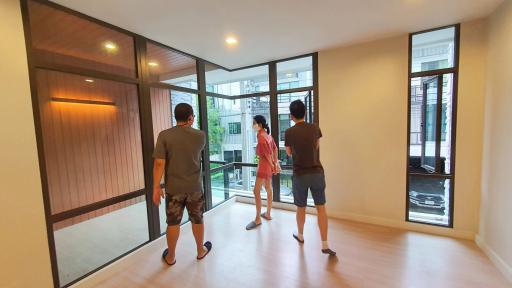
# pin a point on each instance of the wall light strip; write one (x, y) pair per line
(82, 101)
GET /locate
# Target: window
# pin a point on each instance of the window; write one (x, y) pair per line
(239, 82)
(232, 139)
(432, 106)
(295, 73)
(284, 123)
(235, 128)
(433, 50)
(434, 65)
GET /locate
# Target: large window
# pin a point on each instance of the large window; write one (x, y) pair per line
(432, 107)
(232, 139)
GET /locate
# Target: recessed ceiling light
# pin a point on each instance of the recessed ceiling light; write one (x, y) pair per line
(110, 46)
(231, 40)
(89, 80)
(152, 64)
(289, 75)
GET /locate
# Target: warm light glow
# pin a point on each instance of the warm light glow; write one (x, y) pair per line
(231, 40)
(110, 46)
(82, 101)
(89, 80)
(153, 64)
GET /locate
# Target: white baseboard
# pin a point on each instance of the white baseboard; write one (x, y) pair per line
(403, 225)
(495, 258)
(278, 205)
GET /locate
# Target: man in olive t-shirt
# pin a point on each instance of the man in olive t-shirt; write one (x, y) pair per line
(178, 151)
(302, 143)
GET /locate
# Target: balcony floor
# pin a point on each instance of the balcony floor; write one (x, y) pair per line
(369, 256)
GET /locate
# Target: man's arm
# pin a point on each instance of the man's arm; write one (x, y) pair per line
(287, 143)
(158, 172)
(289, 151)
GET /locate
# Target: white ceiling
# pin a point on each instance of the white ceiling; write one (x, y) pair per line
(275, 29)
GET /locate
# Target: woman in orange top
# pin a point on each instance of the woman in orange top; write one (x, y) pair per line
(268, 165)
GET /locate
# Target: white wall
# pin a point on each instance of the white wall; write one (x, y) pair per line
(24, 256)
(363, 104)
(495, 236)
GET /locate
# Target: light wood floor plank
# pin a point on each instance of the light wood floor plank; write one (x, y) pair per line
(369, 256)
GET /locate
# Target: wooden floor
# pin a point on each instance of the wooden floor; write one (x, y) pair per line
(368, 256)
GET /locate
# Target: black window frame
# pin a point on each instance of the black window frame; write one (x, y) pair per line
(142, 80)
(436, 173)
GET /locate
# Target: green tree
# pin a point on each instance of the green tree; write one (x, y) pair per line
(215, 129)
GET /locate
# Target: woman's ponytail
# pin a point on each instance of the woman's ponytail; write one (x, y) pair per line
(267, 128)
(260, 119)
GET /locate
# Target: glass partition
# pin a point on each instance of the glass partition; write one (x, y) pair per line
(91, 132)
(60, 38)
(89, 241)
(171, 67)
(163, 102)
(94, 112)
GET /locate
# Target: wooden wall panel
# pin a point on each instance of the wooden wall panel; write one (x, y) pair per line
(93, 152)
(161, 110)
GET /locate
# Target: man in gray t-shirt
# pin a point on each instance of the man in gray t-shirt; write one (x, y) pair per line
(178, 152)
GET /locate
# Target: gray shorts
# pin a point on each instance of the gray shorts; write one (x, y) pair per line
(303, 183)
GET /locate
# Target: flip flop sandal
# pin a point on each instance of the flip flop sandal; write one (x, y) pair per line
(252, 225)
(297, 238)
(208, 246)
(264, 216)
(329, 252)
(166, 252)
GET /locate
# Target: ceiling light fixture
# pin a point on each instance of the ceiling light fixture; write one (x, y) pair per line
(89, 80)
(110, 46)
(152, 64)
(289, 75)
(231, 40)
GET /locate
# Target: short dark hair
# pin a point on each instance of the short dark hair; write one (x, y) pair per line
(298, 109)
(182, 112)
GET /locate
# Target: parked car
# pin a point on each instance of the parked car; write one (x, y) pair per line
(426, 193)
